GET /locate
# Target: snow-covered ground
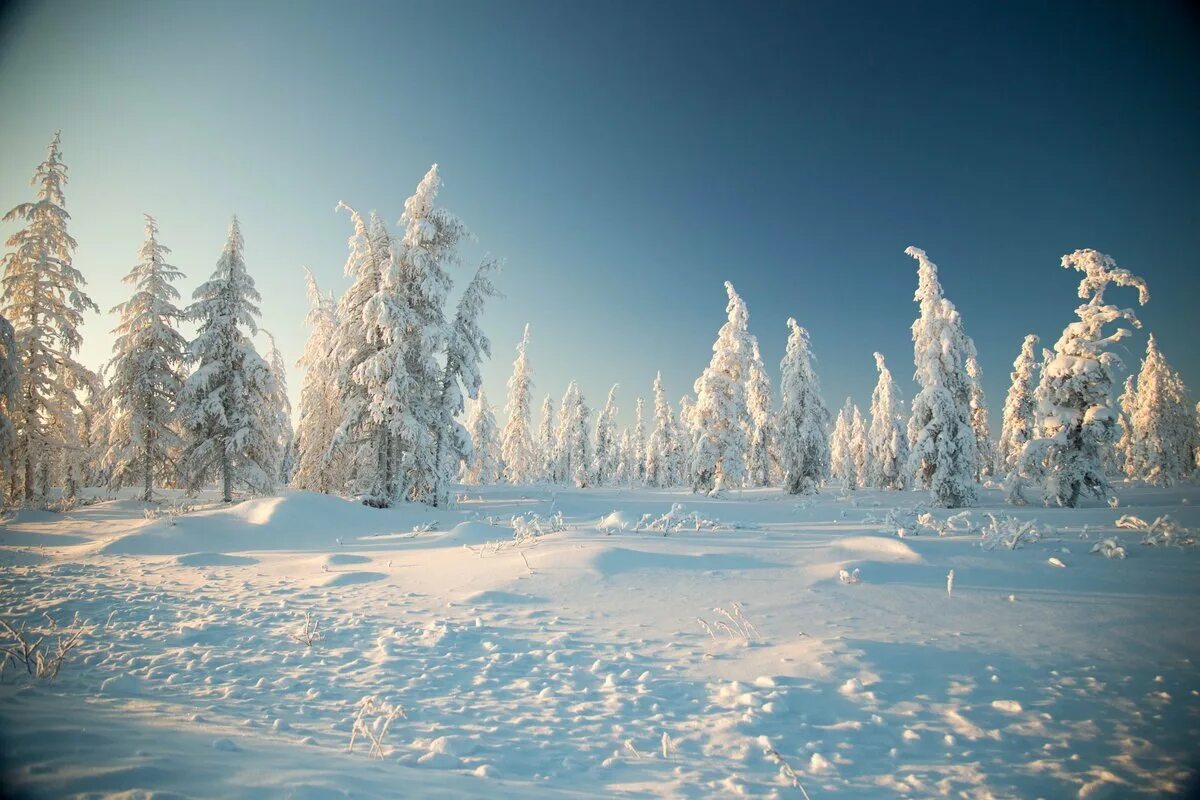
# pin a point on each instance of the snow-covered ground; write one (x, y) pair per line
(581, 663)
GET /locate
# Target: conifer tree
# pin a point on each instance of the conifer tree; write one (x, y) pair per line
(718, 454)
(277, 417)
(606, 457)
(42, 297)
(482, 465)
(1163, 421)
(664, 456)
(518, 452)
(318, 468)
(942, 454)
(985, 454)
(547, 447)
(841, 447)
(638, 458)
(573, 449)
(803, 418)
(1017, 427)
(1121, 455)
(10, 384)
(146, 373)
(761, 435)
(225, 406)
(887, 441)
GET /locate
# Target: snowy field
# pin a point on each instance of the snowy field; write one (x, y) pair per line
(577, 664)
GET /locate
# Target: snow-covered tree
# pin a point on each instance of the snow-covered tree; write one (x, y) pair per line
(225, 406)
(638, 439)
(278, 415)
(761, 432)
(664, 455)
(366, 391)
(1076, 412)
(482, 465)
(1163, 422)
(1017, 427)
(887, 441)
(317, 468)
(573, 448)
(625, 466)
(1121, 459)
(466, 348)
(718, 453)
(942, 455)
(606, 457)
(147, 373)
(517, 446)
(841, 447)
(547, 444)
(985, 453)
(10, 384)
(44, 300)
(860, 449)
(687, 436)
(803, 418)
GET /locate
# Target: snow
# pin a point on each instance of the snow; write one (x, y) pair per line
(603, 658)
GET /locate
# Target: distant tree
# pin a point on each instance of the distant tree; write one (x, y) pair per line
(761, 439)
(518, 453)
(318, 468)
(606, 457)
(886, 439)
(482, 465)
(1017, 427)
(1163, 422)
(573, 445)
(985, 453)
(547, 446)
(638, 439)
(278, 415)
(664, 454)
(147, 373)
(841, 447)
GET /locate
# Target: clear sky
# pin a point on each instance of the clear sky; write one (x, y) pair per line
(626, 158)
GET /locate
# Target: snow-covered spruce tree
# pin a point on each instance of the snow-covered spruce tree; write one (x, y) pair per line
(942, 455)
(687, 437)
(664, 457)
(841, 447)
(1017, 426)
(547, 444)
(517, 449)
(317, 468)
(1163, 422)
(638, 457)
(860, 448)
(625, 470)
(1120, 457)
(761, 442)
(466, 348)
(718, 453)
(573, 448)
(482, 465)
(1076, 412)
(225, 405)
(147, 373)
(363, 439)
(606, 457)
(803, 418)
(10, 384)
(887, 441)
(427, 247)
(277, 417)
(985, 453)
(44, 300)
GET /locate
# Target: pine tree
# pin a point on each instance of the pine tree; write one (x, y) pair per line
(366, 319)
(518, 452)
(887, 441)
(1122, 459)
(44, 300)
(942, 442)
(573, 445)
(225, 406)
(1017, 427)
(10, 385)
(318, 469)
(638, 440)
(803, 418)
(547, 447)
(841, 447)
(482, 465)
(1077, 418)
(1163, 421)
(146, 373)
(606, 458)
(466, 348)
(664, 456)
(687, 436)
(985, 453)
(277, 416)
(718, 453)
(859, 448)
(761, 425)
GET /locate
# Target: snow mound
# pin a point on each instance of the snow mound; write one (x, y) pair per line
(615, 560)
(214, 560)
(877, 548)
(476, 533)
(292, 521)
(352, 579)
(346, 559)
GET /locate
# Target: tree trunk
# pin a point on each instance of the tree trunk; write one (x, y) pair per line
(226, 474)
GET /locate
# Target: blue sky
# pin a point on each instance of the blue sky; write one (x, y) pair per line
(627, 158)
